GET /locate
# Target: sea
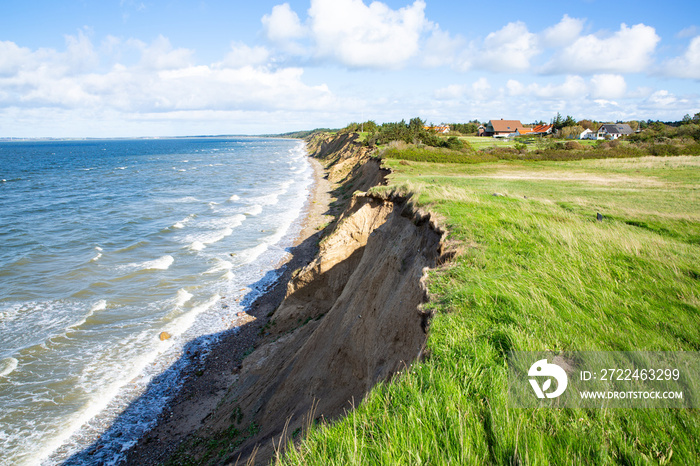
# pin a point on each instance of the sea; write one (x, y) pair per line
(105, 245)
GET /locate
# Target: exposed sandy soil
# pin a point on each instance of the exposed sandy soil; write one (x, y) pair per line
(337, 323)
(204, 387)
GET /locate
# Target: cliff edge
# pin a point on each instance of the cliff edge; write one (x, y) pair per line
(350, 319)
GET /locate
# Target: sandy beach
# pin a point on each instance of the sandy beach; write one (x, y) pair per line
(205, 385)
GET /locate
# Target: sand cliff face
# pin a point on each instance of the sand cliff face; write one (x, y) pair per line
(350, 318)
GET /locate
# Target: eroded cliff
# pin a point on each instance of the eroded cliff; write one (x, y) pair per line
(350, 318)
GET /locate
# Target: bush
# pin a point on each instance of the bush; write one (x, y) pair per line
(573, 145)
(428, 154)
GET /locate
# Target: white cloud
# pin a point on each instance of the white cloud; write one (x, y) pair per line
(687, 65)
(12, 58)
(573, 87)
(80, 54)
(628, 50)
(441, 48)
(163, 80)
(451, 92)
(242, 55)
(688, 32)
(367, 36)
(662, 98)
(481, 86)
(608, 86)
(283, 27)
(563, 33)
(514, 87)
(160, 55)
(509, 49)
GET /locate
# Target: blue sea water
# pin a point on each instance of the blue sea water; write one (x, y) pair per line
(104, 244)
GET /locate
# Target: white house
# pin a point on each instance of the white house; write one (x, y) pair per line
(614, 131)
(588, 134)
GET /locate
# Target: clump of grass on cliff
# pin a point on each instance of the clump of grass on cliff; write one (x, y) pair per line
(538, 271)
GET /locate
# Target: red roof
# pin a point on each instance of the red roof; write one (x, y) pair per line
(503, 126)
(541, 128)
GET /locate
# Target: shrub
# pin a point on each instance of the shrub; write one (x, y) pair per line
(573, 145)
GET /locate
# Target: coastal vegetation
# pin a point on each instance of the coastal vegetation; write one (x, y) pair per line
(559, 248)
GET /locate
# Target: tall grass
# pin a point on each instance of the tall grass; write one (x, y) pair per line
(538, 271)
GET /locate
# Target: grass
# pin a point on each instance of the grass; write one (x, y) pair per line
(537, 271)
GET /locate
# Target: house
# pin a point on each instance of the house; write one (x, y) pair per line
(539, 130)
(440, 129)
(588, 134)
(522, 132)
(542, 130)
(500, 128)
(614, 131)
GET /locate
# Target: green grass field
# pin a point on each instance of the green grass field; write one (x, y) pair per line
(536, 271)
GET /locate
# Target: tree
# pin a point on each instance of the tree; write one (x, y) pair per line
(569, 121)
(416, 125)
(571, 132)
(588, 124)
(558, 122)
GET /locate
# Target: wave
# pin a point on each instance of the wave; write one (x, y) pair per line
(8, 366)
(184, 322)
(226, 225)
(249, 255)
(234, 198)
(220, 266)
(98, 255)
(184, 221)
(182, 297)
(197, 246)
(185, 199)
(254, 210)
(100, 305)
(162, 263)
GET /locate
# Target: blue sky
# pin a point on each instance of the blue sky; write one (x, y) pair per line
(166, 68)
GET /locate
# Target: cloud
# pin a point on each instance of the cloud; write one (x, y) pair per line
(687, 65)
(160, 54)
(283, 26)
(164, 79)
(358, 35)
(478, 90)
(481, 86)
(451, 92)
(688, 32)
(608, 86)
(662, 98)
(563, 33)
(13, 58)
(600, 86)
(243, 55)
(441, 48)
(573, 87)
(372, 36)
(509, 49)
(628, 50)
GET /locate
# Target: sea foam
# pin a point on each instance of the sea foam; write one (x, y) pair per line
(162, 263)
(8, 366)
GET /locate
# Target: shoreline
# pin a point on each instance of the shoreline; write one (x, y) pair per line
(205, 385)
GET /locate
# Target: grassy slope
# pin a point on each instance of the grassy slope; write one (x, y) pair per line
(537, 271)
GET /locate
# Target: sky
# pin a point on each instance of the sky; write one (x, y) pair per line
(133, 68)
